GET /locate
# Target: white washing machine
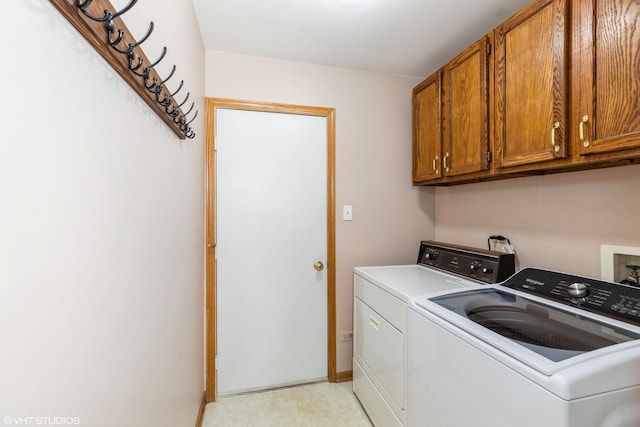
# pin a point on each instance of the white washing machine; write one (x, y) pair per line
(540, 349)
(381, 298)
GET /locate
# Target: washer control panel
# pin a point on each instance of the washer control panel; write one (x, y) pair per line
(606, 298)
(472, 263)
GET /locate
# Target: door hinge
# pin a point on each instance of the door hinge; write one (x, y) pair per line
(489, 157)
(488, 49)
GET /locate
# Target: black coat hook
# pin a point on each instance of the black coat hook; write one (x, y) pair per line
(185, 100)
(191, 108)
(173, 70)
(173, 113)
(156, 91)
(147, 70)
(182, 120)
(154, 81)
(131, 59)
(111, 28)
(163, 96)
(176, 109)
(132, 46)
(185, 126)
(166, 101)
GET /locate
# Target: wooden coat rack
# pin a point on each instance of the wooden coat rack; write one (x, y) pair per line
(97, 21)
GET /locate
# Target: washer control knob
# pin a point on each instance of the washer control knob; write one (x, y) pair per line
(578, 290)
(487, 270)
(475, 265)
(431, 255)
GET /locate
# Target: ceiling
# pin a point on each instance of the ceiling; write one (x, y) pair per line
(405, 37)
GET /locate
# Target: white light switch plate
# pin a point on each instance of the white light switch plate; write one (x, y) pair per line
(347, 213)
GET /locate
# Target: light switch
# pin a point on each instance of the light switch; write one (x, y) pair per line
(347, 213)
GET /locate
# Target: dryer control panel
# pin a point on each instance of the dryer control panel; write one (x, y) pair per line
(472, 263)
(609, 299)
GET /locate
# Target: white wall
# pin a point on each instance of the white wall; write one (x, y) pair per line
(101, 227)
(554, 221)
(373, 158)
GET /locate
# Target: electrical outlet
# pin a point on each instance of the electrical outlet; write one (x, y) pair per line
(347, 336)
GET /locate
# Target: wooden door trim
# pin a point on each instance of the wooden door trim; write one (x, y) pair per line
(210, 243)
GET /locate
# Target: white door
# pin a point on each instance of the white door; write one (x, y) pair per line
(271, 198)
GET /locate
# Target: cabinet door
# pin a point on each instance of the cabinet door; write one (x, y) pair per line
(530, 123)
(607, 80)
(466, 112)
(427, 130)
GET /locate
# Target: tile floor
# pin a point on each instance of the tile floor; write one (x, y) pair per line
(315, 405)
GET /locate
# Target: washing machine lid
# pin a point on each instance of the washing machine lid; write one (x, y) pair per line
(545, 336)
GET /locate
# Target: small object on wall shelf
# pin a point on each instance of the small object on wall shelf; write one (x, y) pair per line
(103, 28)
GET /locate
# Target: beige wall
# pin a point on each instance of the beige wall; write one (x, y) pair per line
(554, 221)
(373, 158)
(101, 228)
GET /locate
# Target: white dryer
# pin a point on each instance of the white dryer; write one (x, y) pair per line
(541, 349)
(381, 298)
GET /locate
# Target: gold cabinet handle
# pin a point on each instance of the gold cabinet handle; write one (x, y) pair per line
(555, 146)
(435, 165)
(446, 163)
(584, 121)
(318, 265)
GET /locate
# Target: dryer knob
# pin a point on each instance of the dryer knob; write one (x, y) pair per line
(578, 289)
(431, 255)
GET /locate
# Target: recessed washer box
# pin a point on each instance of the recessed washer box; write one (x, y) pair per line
(614, 260)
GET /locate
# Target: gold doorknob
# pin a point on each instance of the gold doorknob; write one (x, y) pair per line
(318, 265)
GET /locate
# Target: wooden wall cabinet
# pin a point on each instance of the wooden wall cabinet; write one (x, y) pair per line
(561, 92)
(531, 85)
(465, 104)
(427, 129)
(451, 119)
(606, 78)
